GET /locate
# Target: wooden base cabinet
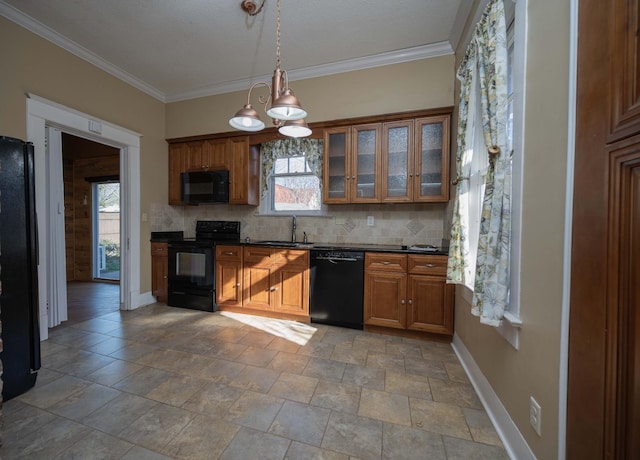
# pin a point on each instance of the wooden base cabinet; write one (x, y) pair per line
(408, 292)
(159, 270)
(262, 280)
(229, 275)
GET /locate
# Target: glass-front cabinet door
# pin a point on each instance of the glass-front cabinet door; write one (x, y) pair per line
(397, 161)
(431, 179)
(337, 142)
(364, 183)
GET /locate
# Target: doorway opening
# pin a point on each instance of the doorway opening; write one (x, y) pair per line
(91, 176)
(106, 231)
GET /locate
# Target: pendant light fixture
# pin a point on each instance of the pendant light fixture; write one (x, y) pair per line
(281, 104)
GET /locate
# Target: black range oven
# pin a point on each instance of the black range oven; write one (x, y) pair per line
(191, 276)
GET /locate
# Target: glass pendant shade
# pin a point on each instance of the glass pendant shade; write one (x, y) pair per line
(287, 107)
(295, 128)
(247, 119)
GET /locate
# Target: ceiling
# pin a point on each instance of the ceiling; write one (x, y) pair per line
(182, 49)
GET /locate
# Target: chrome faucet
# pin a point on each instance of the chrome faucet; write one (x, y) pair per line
(293, 230)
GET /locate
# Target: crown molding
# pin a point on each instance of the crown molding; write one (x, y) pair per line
(350, 65)
(367, 62)
(54, 37)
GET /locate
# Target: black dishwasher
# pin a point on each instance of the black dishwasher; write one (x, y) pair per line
(337, 288)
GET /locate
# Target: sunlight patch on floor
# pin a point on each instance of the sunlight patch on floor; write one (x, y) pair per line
(299, 333)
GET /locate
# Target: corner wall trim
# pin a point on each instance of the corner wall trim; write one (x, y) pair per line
(513, 441)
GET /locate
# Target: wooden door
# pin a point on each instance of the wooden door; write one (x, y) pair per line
(384, 299)
(431, 167)
(603, 416)
(159, 270)
(429, 304)
(397, 161)
(337, 172)
(229, 275)
(364, 184)
(177, 153)
(215, 154)
(291, 280)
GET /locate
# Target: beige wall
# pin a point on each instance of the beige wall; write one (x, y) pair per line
(533, 370)
(423, 84)
(32, 64)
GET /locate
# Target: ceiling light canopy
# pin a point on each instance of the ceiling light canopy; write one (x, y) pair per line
(281, 104)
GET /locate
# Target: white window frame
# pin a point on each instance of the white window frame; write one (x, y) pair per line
(267, 205)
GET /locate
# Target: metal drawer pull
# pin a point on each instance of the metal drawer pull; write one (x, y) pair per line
(228, 253)
(430, 265)
(385, 262)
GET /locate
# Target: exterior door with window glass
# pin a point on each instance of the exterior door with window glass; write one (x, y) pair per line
(106, 230)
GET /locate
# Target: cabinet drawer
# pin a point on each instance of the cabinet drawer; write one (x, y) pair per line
(233, 253)
(255, 255)
(159, 249)
(385, 261)
(292, 257)
(427, 265)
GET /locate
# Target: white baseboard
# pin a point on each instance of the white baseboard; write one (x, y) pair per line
(140, 300)
(513, 441)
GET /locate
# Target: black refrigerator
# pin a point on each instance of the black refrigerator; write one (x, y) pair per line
(18, 268)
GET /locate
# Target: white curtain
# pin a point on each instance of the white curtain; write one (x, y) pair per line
(56, 269)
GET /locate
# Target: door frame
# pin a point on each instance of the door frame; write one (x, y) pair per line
(41, 112)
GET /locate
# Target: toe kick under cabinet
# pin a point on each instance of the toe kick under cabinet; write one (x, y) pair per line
(407, 294)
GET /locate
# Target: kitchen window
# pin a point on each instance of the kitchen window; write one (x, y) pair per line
(292, 177)
(491, 280)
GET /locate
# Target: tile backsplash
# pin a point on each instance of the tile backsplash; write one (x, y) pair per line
(395, 224)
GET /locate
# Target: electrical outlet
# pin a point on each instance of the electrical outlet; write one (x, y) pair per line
(535, 415)
(370, 221)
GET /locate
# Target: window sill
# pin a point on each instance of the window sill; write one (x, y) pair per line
(510, 327)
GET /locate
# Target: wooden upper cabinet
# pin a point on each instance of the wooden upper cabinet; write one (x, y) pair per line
(234, 154)
(244, 171)
(364, 183)
(337, 165)
(405, 160)
(177, 157)
(397, 161)
(431, 160)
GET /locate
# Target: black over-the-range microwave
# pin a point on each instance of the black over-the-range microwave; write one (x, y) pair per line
(201, 187)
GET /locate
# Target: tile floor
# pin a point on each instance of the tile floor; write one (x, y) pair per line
(163, 382)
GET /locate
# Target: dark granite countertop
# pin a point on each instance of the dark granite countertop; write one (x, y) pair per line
(415, 249)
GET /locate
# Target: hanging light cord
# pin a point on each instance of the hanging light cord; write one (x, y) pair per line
(278, 37)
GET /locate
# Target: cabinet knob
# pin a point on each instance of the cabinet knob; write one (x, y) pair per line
(410, 302)
(238, 285)
(165, 276)
(353, 177)
(402, 301)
